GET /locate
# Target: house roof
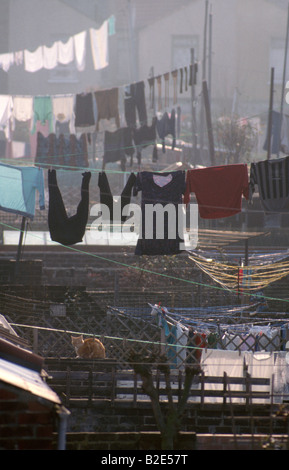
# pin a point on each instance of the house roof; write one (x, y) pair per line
(26, 379)
(22, 368)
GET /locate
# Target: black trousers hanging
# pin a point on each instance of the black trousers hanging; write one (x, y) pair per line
(135, 102)
(63, 229)
(106, 197)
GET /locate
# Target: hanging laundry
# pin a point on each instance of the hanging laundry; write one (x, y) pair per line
(196, 341)
(85, 112)
(107, 105)
(160, 237)
(151, 82)
(159, 85)
(145, 136)
(167, 89)
(6, 61)
(18, 57)
(117, 145)
(174, 337)
(193, 74)
(18, 187)
(275, 133)
(61, 151)
(271, 177)
(168, 339)
(63, 112)
(181, 71)
(80, 50)
(99, 46)
(43, 112)
(284, 144)
(64, 229)
(76, 154)
(65, 51)
(239, 342)
(50, 56)
(167, 126)
(261, 365)
(182, 341)
(215, 362)
(22, 108)
(20, 129)
(175, 85)
(186, 78)
(134, 102)
(111, 25)
(33, 61)
(44, 129)
(108, 200)
(218, 189)
(6, 110)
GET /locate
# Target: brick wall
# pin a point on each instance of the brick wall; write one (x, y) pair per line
(124, 416)
(187, 441)
(125, 441)
(25, 422)
(26, 272)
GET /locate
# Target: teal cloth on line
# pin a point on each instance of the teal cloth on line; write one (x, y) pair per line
(43, 111)
(18, 187)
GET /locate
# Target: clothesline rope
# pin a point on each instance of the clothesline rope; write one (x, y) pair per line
(244, 279)
(185, 347)
(149, 271)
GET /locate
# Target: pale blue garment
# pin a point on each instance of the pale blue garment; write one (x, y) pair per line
(171, 338)
(18, 187)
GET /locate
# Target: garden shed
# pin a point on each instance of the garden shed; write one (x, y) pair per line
(30, 411)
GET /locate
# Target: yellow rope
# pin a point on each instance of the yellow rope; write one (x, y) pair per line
(244, 278)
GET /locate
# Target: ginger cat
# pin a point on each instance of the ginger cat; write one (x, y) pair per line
(90, 348)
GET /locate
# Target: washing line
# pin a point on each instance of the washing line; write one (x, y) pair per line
(242, 278)
(149, 271)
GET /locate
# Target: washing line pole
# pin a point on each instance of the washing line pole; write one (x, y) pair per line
(283, 83)
(210, 53)
(270, 114)
(20, 244)
(204, 74)
(209, 122)
(193, 105)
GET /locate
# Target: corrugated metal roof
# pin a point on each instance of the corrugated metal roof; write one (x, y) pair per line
(26, 379)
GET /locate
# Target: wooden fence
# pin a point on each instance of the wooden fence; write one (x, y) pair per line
(89, 380)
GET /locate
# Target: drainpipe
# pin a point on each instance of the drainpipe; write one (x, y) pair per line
(63, 415)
